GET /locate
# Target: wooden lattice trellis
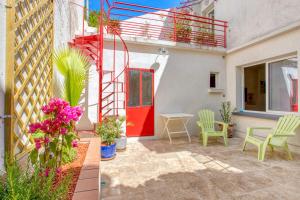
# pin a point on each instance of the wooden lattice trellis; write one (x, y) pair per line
(29, 68)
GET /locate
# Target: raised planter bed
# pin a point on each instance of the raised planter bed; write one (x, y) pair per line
(75, 167)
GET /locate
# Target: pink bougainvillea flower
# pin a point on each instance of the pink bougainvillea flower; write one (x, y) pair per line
(63, 131)
(59, 118)
(74, 143)
(34, 127)
(58, 171)
(47, 171)
(38, 145)
(46, 140)
(45, 125)
(77, 112)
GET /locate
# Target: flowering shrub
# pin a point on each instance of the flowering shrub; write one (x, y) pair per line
(54, 136)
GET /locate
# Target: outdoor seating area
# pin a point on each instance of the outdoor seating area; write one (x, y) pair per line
(149, 100)
(154, 169)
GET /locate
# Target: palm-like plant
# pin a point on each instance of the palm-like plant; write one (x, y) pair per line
(73, 66)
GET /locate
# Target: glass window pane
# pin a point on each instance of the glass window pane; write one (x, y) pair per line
(147, 88)
(283, 81)
(212, 80)
(255, 88)
(134, 88)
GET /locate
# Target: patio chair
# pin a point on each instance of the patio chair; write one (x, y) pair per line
(285, 128)
(207, 124)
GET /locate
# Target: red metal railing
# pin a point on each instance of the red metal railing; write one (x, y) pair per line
(93, 46)
(169, 24)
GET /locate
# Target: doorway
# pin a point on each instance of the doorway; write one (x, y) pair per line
(140, 102)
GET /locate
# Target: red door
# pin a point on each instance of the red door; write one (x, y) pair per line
(140, 102)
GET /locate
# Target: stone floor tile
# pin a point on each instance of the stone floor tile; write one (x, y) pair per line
(90, 195)
(155, 169)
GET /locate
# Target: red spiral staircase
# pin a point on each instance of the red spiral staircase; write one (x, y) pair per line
(175, 25)
(112, 91)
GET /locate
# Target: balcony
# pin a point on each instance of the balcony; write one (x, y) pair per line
(166, 24)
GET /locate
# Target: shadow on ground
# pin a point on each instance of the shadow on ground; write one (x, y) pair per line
(157, 170)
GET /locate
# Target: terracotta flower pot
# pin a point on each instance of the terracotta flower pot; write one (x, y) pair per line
(230, 130)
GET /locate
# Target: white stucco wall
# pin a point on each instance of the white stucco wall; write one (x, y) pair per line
(2, 76)
(274, 47)
(62, 32)
(250, 19)
(68, 18)
(181, 79)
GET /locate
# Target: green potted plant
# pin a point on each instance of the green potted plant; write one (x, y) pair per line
(114, 26)
(183, 33)
(205, 38)
(226, 114)
(107, 131)
(121, 139)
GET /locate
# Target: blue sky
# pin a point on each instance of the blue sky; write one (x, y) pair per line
(95, 4)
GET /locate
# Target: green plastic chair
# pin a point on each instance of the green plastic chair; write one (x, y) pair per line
(285, 128)
(207, 124)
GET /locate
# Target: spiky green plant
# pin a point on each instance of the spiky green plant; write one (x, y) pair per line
(73, 66)
(226, 112)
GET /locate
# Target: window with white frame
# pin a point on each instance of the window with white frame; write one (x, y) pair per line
(272, 86)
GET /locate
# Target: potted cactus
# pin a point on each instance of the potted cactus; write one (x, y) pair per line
(106, 130)
(226, 113)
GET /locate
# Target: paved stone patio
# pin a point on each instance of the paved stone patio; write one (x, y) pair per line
(157, 170)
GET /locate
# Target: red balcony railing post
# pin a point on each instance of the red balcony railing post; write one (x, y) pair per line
(225, 34)
(100, 58)
(174, 24)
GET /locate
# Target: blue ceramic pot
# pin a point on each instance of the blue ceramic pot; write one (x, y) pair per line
(108, 151)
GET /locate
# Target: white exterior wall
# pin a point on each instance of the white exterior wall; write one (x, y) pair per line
(251, 19)
(181, 80)
(273, 47)
(62, 26)
(2, 77)
(68, 21)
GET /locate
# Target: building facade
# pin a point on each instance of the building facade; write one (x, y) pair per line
(257, 71)
(262, 60)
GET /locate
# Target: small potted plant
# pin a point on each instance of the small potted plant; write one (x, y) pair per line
(183, 33)
(114, 26)
(205, 38)
(121, 139)
(226, 113)
(106, 130)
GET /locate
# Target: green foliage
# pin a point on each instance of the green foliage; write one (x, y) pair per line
(226, 112)
(94, 19)
(110, 129)
(114, 26)
(57, 152)
(73, 66)
(20, 184)
(183, 28)
(118, 125)
(183, 33)
(69, 155)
